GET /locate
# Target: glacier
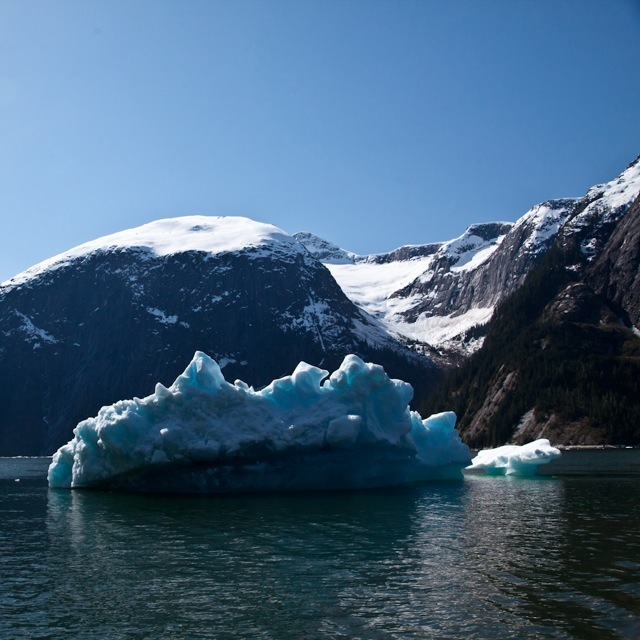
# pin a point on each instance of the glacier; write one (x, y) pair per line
(310, 430)
(516, 460)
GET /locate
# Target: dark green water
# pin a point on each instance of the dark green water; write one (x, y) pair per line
(486, 558)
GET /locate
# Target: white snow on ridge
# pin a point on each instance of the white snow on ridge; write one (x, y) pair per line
(545, 221)
(474, 257)
(612, 197)
(469, 250)
(621, 191)
(211, 234)
(323, 250)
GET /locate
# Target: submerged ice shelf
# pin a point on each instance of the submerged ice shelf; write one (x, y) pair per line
(306, 431)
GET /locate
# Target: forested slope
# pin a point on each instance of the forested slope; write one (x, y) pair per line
(562, 355)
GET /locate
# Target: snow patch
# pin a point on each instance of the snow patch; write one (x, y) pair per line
(472, 259)
(162, 317)
(443, 330)
(468, 251)
(34, 333)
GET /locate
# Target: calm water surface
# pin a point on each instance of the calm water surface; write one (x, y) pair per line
(486, 558)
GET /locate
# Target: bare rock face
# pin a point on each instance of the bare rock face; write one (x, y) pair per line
(615, 274)
(557, 430)
(502, 385)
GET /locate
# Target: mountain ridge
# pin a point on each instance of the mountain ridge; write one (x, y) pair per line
(441, 295)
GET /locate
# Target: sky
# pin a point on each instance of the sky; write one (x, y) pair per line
(372, 123)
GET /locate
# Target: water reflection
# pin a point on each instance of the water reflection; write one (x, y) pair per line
(546, 554)
(243, 566)
(488, 557)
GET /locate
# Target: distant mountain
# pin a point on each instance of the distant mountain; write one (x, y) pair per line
(442, 295)
(323, 250)
(109, 319)
(561, 359)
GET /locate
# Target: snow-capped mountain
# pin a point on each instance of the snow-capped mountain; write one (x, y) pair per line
(110, 318)
(434, 294)
(323, 250)
(443, 294)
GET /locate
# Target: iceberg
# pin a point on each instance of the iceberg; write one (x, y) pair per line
(307, 431)
(514, 460)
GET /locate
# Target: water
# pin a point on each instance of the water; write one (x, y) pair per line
(487, 558)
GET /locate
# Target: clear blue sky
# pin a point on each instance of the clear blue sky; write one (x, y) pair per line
(371, 123)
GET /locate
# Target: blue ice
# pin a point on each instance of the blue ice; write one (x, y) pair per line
(307, 431)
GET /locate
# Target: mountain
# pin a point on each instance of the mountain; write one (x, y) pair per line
(110, 318)
(441, 296)
(561, 359)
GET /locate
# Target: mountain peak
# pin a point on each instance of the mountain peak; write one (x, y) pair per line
(475, 245)
(209, 234)
(323, 250)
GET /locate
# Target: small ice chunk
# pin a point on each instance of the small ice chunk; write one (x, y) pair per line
(514, 460)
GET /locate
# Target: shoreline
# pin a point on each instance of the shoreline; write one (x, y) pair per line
(594, 461)
(576, 460)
